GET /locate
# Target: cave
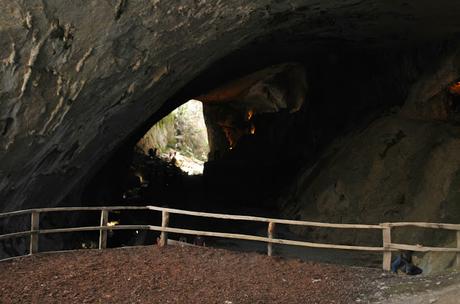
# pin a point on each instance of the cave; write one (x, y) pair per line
(342, 112)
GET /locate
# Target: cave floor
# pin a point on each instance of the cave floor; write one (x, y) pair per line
(177, 274)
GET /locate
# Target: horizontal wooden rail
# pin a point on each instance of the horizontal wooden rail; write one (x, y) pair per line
(426, 225)
(14, 235)
(15, 213)
(71, 209)
(73, 229)
(94, 228)
(262, 239)
(395, 247)
(263, 219)
(112, 208)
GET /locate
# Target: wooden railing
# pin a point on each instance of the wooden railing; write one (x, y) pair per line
(387, 246)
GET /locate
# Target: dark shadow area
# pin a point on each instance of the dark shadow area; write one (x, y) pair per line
(348, 88)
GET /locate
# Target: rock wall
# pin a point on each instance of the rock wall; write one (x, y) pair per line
(80, 78)
(402, 166)
(394, 170)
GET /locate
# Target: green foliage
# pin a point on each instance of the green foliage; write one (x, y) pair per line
(182, 130)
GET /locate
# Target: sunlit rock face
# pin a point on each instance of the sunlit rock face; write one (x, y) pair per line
(79, 79)
(181, 136)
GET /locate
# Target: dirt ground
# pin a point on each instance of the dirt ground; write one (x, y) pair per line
(178, 275)
(440, 288)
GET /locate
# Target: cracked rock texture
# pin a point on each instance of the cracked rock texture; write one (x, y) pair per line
(80, 78)
(77, 77)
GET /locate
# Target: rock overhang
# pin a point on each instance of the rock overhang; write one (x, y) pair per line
(70, 101)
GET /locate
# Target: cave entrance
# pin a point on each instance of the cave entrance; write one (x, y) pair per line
(222, 150)
(179, 138)
(230, 149)
(345, 148)
(264, 126)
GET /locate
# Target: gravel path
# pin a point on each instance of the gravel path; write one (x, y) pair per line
(447, 295)
(441, 288)
(178, 275)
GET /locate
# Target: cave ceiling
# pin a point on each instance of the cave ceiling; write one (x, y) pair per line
(78, 79)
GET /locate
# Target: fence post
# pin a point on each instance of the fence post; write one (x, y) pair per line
(34, 227)
(386, 230)
(271, 232)
(458, 246)
(103, 232)
(164, 224)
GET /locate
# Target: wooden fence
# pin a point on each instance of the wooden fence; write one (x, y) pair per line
(386, 248)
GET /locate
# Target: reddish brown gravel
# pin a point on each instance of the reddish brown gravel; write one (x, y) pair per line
(176, 275)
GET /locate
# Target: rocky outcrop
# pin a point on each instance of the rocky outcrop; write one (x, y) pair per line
(431, 97)
(394, 170)
(397, 169)
(230, 109)
(402, 166)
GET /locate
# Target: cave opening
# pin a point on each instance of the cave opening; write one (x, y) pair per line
(232, 132)
(179, 138)
(327, 111)
(267, 120)
(328, 131)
